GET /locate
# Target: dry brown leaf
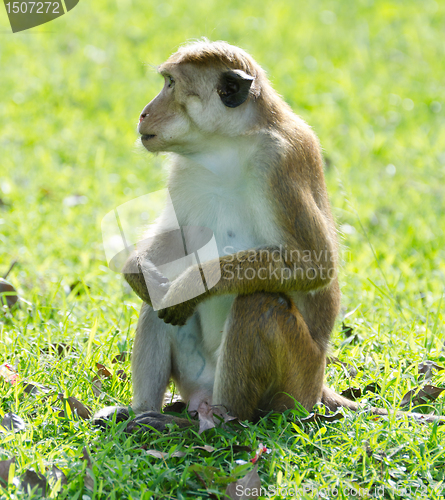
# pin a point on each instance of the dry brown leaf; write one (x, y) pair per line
(121, 358)
(318, 417)
(79, 407)
(61, 349)
(426, 368)
(89, 479)
(206, 447)
(55, 474)
(13, 422)
(122, 375)
(220, 412)
(76, 406)
(176, 407)
(35, 388)
(34, 481)
(416, 396)
(249, 487)
(96, 386)
(102, 371)
(5, 465)
(8, 294)
(205, 415)
(163, 455)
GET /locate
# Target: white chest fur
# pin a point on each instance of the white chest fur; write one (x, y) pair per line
(227, 192)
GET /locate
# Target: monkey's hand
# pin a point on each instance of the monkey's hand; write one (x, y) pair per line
(179, 313)
(177, 306)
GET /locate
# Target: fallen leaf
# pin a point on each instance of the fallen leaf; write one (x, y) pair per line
(176, 407)
(163, 455)
(5, 465)
(347, 330)
(89, 479)
(220, 412)
(416, 396)
(8, 294)
(13, 422)
(76, 406)
(62, 349)
(318, 417)
(205, 415)
(206, 447)
(352, 393)
(426, 368)
(35, 388)
(34, 481)
(96, 385)
(120, 358)
(102, 371)
(249, 486)
(79, 408)
(54, 475)
(122, 375)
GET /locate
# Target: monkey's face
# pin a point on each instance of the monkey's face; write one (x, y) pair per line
(196, 104)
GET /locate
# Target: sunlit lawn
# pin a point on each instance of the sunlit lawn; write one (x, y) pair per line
(368, 76)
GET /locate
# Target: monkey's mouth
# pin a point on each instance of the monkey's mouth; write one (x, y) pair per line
(147, 137)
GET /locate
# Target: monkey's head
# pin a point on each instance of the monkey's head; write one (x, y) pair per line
(210, 90)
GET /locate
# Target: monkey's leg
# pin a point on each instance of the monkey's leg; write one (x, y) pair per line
(151, 367)
(150, 361)
(266, 352)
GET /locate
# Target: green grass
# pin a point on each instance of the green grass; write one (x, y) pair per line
(368, 76)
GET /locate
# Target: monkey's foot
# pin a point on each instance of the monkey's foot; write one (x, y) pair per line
(157, 421)
(105, 416)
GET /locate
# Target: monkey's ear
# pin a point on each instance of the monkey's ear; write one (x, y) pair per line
(233, 87)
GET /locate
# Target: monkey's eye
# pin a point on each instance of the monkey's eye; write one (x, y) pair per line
(170, 81)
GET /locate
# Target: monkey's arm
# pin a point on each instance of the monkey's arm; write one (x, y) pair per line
(305, 262)
(141, 268)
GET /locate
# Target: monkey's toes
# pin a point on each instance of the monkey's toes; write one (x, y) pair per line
(151, 419)
(105, 416)
(158, 421)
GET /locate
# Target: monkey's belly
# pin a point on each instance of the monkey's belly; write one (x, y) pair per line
(213, 314)
(196, 347)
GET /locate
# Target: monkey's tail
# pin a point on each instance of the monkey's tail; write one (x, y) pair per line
(334, 401)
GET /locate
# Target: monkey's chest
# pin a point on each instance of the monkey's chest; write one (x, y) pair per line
(238, 221)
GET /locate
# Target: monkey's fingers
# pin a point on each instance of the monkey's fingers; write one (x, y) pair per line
(171, 316)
